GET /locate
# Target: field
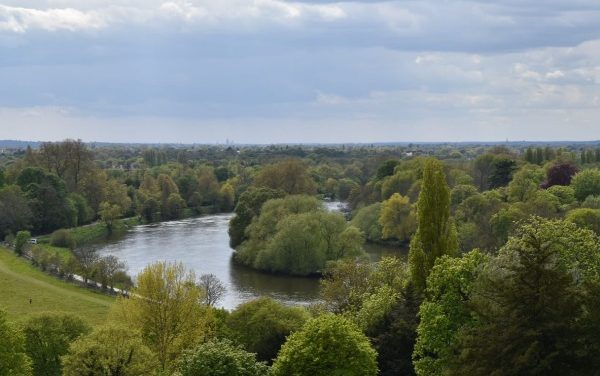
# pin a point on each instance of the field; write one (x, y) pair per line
(21, 281)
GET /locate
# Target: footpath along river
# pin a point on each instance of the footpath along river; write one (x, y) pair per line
(202, 245)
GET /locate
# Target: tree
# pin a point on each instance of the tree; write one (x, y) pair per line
(109, 268)
(386, 169)
(460, 193)
(220, 358)
(165, 308)
(109, 350)
(86, 262)
(13, 358)
(586, 183)
(396, 219)
(289, 176)
(327, 345)
(63, 238)
(560, 174)
(445, 311)
(585, 218)
(525, 183)
(214, 290)
(21, 241)
(109, 213)
(344, 285)
(483, 167)
(436, 234)
(367, 221)
(48, 337)
(262, 325)
(502, 171)
(528, 308)
(249, 206)
(175, 207)
(15, 214)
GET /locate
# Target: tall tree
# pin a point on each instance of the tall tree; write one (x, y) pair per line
(436, 233)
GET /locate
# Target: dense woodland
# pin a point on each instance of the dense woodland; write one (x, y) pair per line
(501, 277)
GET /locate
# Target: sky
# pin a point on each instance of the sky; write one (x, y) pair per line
(276, 71)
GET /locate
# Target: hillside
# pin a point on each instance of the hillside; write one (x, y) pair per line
(20, 281)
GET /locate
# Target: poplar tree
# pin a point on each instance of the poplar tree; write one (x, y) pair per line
(436, 234)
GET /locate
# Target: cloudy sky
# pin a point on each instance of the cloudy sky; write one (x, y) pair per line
(263, 71)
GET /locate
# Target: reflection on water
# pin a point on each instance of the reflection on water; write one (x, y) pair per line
(202, 245)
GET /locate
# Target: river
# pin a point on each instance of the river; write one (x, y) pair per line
(202, 245)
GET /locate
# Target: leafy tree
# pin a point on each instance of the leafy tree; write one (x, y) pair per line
(367, 221)
(14, 210)
(165, 308)
(227, 194)
(109, 270)
(345, 284)
(386, 169)
(174, 208)
(445, 311)
(460, 193)
(566, 195)
(220, 358)
(394, 336)
(528, 305)
(48, 200)
(296, 235)
(585, 218)
(109, 350)
(289, 176)
(560, 174)
(21, 241)
(248, 207)
(436, 234)
(48, 337)
(397, 219)
(400, 182)
(13, 358)
(116, 194)
(591, 202)
(262, 325)
(586, 183)
(213, 288)
(109, 213)
(502, 172)
(525, 183)
(327, 345)
(86, 258)
(85, 213)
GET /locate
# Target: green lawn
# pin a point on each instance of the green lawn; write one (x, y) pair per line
(20, 281)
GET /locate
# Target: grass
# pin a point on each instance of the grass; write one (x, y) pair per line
(93, 232)
(21, 281)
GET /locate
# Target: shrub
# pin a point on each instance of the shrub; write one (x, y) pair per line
(63, 238)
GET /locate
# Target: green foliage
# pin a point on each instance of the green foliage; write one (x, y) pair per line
(327, 345)
(400, 182)
(528, 307)
(47, 338)
(585, 218)
(525, 183)
(436, 234)
(63, 238)
(386, 169)
(295, 235)
(460, 193)
(164, 307)
(289, 176)
(85, 214)
(262, 325)
(109, 350)
(397, 219)
(367, 221)
(21, 241)
(502, 172)
(15, 214)
(220, 358)
(445, 311)
(13, 358)
(586, 183)
(565, 194)
(591, 202)
(248, 207)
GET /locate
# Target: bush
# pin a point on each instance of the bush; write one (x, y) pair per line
(21, 241)
(63, 238)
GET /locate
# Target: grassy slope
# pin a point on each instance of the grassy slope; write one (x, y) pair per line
(20, 281)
